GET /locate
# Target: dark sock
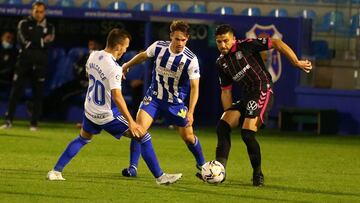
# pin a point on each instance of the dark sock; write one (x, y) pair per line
(253, 149)
(223, 131)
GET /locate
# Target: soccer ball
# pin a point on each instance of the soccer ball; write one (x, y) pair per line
(213, 172)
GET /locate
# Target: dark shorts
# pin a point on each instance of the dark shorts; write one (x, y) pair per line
(255, 104)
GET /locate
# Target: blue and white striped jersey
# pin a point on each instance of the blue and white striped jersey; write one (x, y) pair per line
(172, 72)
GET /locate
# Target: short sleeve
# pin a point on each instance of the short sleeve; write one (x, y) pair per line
(257, 45)
(194, 69)
(115, 78)
(150, 51)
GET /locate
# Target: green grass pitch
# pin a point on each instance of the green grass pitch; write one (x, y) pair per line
(298, 167)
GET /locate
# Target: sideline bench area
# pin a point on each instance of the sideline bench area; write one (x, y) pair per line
(322, 121)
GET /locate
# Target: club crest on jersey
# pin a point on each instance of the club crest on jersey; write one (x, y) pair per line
(238, 55)
(147, 100)
(224, 65)
(251, 107)
(181, 66)
(271, 58)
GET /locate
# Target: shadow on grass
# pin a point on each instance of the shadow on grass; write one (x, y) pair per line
(234, 195)
(12, 135)
(301, 190)
(40, 195)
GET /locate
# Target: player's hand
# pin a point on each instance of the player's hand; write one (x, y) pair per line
(136, 130)
(125, 68)
(49, 38)
(304, 65)
(190, 119)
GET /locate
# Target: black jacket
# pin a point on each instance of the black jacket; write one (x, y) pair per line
(31, 34)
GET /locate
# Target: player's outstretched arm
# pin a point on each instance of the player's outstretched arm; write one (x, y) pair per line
(194, 96)
(283, 48)
(134, 128)
(139, 58)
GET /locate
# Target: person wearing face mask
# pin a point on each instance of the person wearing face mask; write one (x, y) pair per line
(8, 53)
(60, 99)
(34, 35)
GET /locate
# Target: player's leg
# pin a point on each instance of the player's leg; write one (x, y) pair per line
(73, 148)
(145, 117)
(175, 114)
(248, 132)
(255, 116)
(228, 121)
(119, 127)
(193, 144)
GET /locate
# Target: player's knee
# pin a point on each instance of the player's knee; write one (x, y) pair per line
(223, 132)
(222, 128)
(247, 135)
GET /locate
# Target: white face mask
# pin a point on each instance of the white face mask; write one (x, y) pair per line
(7, 45)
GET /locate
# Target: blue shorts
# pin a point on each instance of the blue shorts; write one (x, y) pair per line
(116, 127)
(175, 114)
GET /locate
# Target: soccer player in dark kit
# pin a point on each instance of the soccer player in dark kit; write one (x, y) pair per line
(240, 62)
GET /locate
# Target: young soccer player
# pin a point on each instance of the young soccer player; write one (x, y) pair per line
(176, 71)
(102, 104)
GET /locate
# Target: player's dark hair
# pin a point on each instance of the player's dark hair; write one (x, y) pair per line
(116, 36)
(37, 3)
(223, 29)
(179, 25)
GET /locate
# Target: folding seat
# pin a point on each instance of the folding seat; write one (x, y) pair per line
(355, 25)
(173, 7)
(252, 11)
(14, 2)
(224, 10)
(278, 13)
(145, 6)
(117, 5)
(65, 3)
(91, 4)
(197, 8)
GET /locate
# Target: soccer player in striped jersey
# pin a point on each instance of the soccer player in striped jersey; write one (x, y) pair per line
(240, 62)
(176, 73)
(102, 104)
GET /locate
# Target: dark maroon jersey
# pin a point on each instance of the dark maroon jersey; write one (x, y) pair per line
(244, 65)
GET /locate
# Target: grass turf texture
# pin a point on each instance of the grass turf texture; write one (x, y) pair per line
(298, 167)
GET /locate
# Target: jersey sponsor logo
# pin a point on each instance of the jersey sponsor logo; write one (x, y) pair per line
(241, 73)
(182, 113)
(97, 116)
(251, 107)
(271, 58)
(118, 77)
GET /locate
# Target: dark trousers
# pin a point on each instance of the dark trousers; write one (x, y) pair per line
(31, 65)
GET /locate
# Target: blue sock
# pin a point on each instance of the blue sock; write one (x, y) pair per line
(197, 152)
(148, 154)
(135, 151)
(72, 149)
